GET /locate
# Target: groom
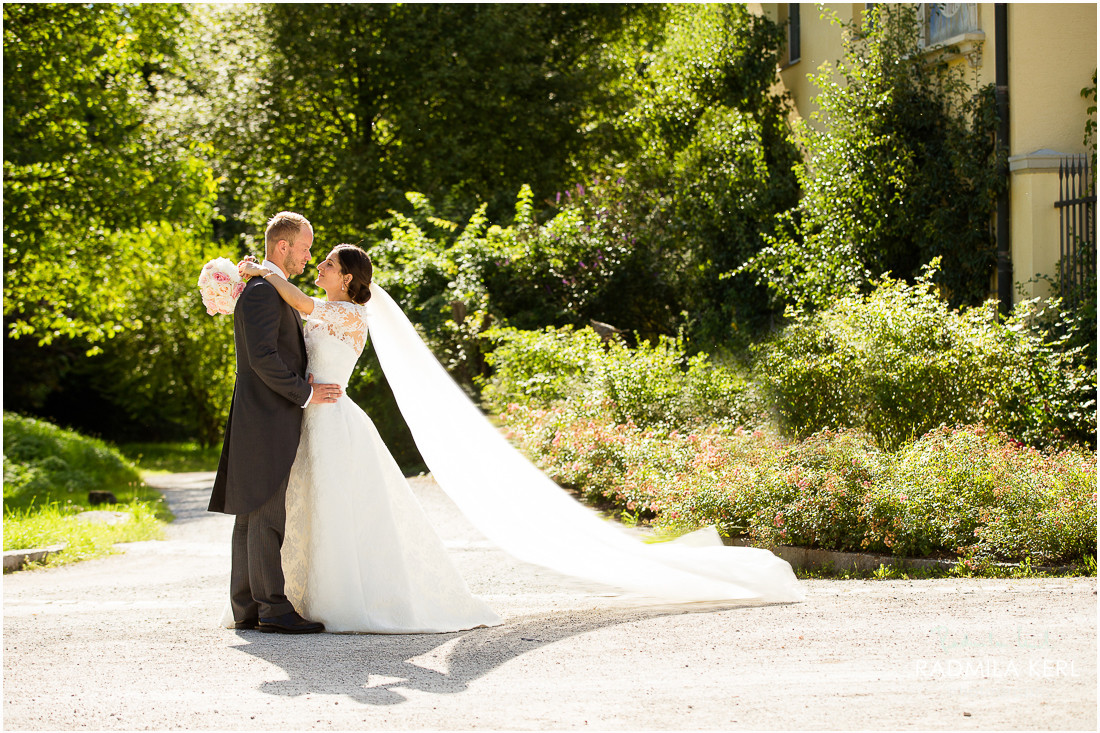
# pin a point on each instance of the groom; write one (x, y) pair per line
(261, 435)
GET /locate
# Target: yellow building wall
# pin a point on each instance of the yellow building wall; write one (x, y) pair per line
(1034, 223)
(1052, 56)
(821, 41)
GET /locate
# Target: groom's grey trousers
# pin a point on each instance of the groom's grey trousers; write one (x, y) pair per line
(256, 582)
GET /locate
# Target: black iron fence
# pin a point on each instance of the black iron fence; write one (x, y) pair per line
(1077, 228)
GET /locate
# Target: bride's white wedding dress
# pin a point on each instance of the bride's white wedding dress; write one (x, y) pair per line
(359, 555)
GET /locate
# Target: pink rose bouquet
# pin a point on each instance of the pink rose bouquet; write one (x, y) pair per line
(220, 284)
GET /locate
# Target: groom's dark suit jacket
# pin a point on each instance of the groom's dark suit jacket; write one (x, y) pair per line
(265, 419)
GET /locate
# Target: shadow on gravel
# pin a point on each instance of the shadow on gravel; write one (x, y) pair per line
(372, 668)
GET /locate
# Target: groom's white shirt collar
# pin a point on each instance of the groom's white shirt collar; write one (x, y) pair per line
(272, 266)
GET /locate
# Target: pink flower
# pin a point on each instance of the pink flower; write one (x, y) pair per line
(238, 289)
(221, 277)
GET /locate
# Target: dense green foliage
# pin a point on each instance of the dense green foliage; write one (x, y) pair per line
(337, 109)
(899, 362)
(899, 141)
(44, 463)
(106, 215)
(714, 167)
(169, 374)
(178, 366)
(83, 166)
(659, 437)
(895, 363)
(648, 149)
(653, 385)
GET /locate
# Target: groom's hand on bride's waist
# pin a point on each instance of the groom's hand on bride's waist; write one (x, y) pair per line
(324, 393)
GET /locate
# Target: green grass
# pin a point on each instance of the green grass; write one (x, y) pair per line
(44, 464)
(172, 457)
(48, 473)
(41, 526)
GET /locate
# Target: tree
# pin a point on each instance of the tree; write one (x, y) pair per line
(178, 368)
(363, 102)
(692, 165)
(713, 163)
(81, 165)
(107, 219)
(901, 170)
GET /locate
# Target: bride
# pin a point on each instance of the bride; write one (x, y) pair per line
(359, 554)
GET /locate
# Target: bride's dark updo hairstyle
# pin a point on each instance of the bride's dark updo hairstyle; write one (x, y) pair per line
(355, 262)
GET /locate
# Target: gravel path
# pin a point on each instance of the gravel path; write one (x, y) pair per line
(132, 642)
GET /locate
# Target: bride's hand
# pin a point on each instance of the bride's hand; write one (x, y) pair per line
(250, 268)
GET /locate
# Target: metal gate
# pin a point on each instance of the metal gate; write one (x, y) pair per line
(1077, 228)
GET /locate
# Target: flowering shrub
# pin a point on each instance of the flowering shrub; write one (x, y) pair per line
(963, 491)
(615, 464)
(986, 495)
(898, 362)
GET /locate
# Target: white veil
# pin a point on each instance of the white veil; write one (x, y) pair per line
(521, 510)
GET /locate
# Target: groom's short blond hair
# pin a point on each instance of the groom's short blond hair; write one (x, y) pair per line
(284, 225)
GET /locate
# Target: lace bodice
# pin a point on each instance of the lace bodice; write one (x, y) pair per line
(335, 335)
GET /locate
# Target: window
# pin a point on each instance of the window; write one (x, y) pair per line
(794, 33)
(869, 16)
(944, 21)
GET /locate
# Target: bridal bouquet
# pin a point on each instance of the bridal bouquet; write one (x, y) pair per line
(220, 284)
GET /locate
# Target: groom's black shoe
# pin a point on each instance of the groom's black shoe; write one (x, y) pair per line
(290, 623)
(246, 625)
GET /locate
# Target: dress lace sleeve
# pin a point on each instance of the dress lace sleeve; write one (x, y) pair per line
(342, 320)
